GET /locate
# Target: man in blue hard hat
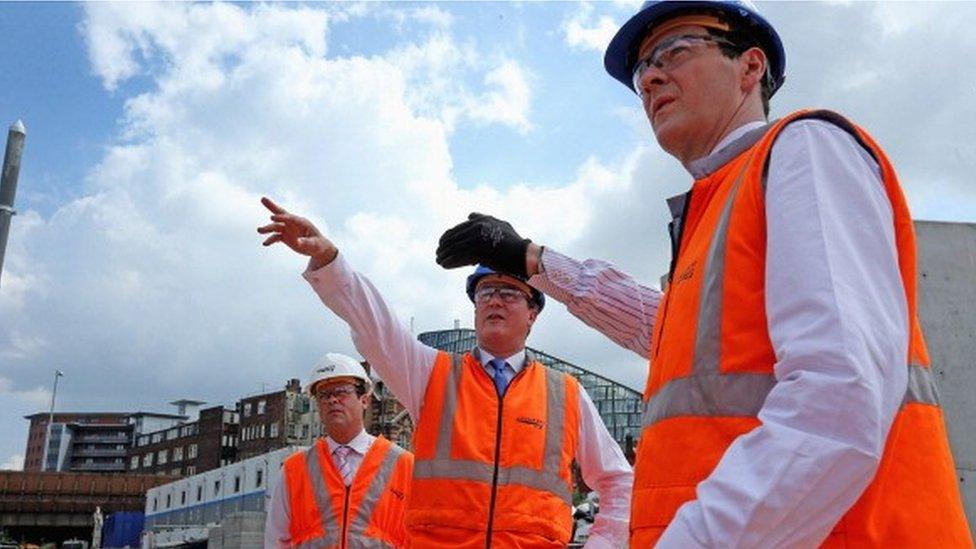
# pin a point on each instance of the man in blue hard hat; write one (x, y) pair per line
(790, 401)
(497, 432)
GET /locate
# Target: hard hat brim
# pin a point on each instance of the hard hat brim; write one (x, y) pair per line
(616, 61)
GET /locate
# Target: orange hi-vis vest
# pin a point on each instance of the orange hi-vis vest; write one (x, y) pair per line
(325, 513)
(494, 471)
(711, 368)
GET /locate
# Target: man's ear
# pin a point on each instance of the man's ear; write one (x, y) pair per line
(753, 64)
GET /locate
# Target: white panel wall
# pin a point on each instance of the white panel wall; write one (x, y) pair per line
(947, 307)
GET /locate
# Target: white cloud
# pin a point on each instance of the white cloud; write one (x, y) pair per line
(587, 31)
(509, 102)
(13, 463)
(428, 15)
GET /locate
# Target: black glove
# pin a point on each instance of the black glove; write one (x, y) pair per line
(486, 240)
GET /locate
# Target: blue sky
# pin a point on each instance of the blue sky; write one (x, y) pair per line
(153, 129)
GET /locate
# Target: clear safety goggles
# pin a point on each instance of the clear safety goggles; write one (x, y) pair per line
(507, 295)
(672, 52)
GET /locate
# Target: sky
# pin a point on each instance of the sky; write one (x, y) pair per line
(133, 264)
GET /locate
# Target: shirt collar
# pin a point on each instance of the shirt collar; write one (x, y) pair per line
(360, 443)
(737, 133)
(516, 361)
(737, 141)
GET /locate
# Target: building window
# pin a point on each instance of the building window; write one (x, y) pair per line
(247, 409)
(161, 457)
(192, 451)
(168, 501)
(274, 430)
(178, 453)
(191, 469)
(199, 492)
(259, 479)
(183, 497)
(157, 437)
(172, 434)
(147, 460)
(177, 471)
(237, 484)
(261, 406)
(216, 488)
(155, 504)
(134, 462)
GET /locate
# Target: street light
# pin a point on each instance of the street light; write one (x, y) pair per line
(50, 419)
(8, 181)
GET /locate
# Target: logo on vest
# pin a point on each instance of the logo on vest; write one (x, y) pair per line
(537, 423)
(686, 273)
(399, 495)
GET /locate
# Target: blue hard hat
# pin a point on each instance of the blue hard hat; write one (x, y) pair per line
(621, 55)
(481, 271)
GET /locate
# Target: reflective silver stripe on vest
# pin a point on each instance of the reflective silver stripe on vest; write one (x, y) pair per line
(728, 395)
(359, 523)
(547, 479)
(733, 395)
(457, 469)
(921, 386)
(708, 334)
(330, 522)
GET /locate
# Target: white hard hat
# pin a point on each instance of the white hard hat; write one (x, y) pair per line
(334, 366)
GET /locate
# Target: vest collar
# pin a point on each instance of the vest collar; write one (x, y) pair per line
(707, 165)
(517, 361)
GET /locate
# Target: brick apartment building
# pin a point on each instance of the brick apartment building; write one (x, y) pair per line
(188, 448)
(275, 420)
(80, 442)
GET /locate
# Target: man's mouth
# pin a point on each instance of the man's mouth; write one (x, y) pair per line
(660, 102)
(495, 316)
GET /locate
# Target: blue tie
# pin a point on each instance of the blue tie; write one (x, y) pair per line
(501, 381)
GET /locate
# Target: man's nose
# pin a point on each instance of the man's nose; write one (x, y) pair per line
(652, 77)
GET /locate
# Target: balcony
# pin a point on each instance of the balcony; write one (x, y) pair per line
(94, 452)
(113, 438)
(83, 467)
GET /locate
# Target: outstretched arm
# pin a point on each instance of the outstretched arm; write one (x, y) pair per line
(601, 296)
(400, 360)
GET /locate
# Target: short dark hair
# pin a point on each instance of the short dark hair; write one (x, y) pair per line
(740, 41)
(360, 387)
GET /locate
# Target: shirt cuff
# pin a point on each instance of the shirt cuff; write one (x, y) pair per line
(333, 275)
(556, 276)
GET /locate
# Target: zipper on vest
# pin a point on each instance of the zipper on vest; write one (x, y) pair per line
(494, 476)
(343, 543)
(676, 229)
(498, 451)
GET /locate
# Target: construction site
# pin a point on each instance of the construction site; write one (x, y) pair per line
(504, 275)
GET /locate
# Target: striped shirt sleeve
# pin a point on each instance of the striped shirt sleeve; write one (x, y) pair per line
(602, 296)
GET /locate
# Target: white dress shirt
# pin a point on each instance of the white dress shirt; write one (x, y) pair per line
(405, 365)
(276, 524)
(838, 323)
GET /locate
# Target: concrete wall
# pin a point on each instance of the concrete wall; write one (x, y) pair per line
(244, 530)
(947, 307)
